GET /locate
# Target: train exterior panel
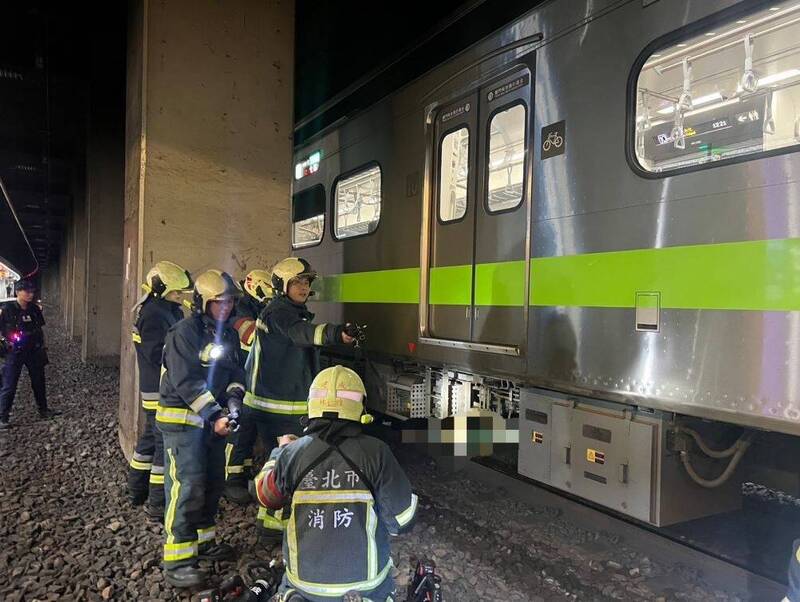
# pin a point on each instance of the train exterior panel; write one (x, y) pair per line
(527, 227)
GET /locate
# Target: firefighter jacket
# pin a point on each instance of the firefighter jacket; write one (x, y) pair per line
(154, 318)
(244, 322)
(200, 368)
(22, 328)
(347, 495)
(285, 357)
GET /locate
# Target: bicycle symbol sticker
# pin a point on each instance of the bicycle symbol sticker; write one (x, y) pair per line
(553, 140)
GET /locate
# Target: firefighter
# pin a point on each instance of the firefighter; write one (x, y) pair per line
(258, 292)
(282, 363)
(257, 287)
(22, 342)
(346, 495)
(154, 315)
(201, 375)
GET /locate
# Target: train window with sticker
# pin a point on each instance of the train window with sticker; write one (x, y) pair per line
(728, 91)
(505, 173)
(453, 175)
(308, 216)
(357, 208)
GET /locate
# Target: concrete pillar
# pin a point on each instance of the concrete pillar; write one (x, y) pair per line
(68, 262)
(105, 159)
(50, 286)
(208, 145)
(77, 306)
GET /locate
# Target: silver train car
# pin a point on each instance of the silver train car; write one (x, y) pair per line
(590, 220)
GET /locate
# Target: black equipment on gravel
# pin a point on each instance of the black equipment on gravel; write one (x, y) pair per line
(265, 579)
(424, 585)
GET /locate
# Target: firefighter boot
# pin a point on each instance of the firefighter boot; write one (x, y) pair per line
(185, 576)
(236, 491)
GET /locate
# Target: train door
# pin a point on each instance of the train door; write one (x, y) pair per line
(450, 275)
(500, 289)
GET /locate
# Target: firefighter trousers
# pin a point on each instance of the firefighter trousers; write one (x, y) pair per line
(146, 471)
(385, 592)
(194, 478)
(34, 360)
(268, 427)
(256, 423)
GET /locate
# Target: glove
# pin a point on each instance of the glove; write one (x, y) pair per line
(357, 331)
(234, 403)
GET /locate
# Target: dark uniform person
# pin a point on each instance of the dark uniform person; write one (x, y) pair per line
(346, 494)
(280, 368)
(201, 375)
(257, 286)
(21, 323)
(155, 315)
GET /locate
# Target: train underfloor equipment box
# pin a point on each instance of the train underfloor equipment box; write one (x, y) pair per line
(614, 455)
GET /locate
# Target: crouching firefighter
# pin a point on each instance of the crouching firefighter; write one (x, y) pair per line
(154, 315)
(281, 365)
(201, 375)
(346, 493)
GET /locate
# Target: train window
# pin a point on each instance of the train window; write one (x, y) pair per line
(358, 203)
(453, 175)
(506, 169)
(730, 91)
(308, 216)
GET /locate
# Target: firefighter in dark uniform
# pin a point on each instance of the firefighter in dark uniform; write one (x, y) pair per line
(346, 494)
(22, 341)
(155, 314)
(201, 375)
(257, 287)
(280, 368)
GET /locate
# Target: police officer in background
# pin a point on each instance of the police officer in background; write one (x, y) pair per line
(22, 340)
(201, 375)
(284, 360)
(155, 314)
(347, 495)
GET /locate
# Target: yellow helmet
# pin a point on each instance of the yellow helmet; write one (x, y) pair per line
(165, 277)
(289, 269)
(213, 285)
(258, 284)
(338, 392)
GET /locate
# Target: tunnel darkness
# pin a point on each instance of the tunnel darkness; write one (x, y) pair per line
(59, 64)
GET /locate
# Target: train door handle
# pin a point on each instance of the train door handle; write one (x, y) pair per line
(466, 311)
(567, 455)
(622, 473)
(477, 313)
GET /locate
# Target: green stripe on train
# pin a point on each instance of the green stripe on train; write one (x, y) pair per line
(759, 275)
(755, 275)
